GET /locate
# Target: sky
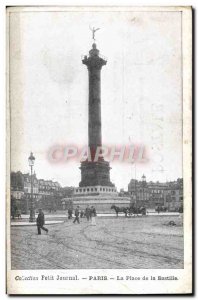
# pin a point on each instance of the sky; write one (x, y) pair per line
(141, 90)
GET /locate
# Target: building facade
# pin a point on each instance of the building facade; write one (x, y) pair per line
(151, 194)
(174, 194)
(45, 192)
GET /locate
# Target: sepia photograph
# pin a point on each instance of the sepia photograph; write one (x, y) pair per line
(99, 188)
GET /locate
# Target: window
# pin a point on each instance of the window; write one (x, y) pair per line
(87, 190)
(96, 189)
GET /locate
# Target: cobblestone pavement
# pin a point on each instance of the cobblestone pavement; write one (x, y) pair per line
(139, 243)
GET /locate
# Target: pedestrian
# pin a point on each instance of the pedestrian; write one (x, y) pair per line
(41, 221)
(77, 215)
(93, 216)
(70, 213)
(88, 213)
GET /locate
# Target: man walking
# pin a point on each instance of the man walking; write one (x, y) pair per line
(40, 222)
(70, 213)
(93, 216)
(88, 213)
(77, 215)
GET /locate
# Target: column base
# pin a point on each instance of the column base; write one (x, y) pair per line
(95, 174)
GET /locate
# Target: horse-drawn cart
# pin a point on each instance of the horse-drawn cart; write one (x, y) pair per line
(129, 211)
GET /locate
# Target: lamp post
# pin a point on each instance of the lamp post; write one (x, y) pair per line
(31, 160)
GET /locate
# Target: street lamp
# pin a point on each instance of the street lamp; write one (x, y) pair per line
(31, 160)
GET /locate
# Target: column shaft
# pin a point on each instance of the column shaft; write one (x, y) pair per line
(95, 137)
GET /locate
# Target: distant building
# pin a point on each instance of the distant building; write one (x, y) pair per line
(48, 187)
(139, 192)
(44, 191)
(17, 191)
(27, 185)
(17, 185)
(156, 194)
(174, 194)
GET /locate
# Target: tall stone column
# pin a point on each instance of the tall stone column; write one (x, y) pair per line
(94, 64)
(94, 173)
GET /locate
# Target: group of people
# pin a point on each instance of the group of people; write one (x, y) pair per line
(89, 213)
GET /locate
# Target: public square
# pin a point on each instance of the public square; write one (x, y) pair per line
(146, 242)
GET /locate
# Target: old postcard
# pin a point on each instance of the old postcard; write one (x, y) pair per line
(99, 138)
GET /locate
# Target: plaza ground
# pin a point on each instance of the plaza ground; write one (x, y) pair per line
(137, 242)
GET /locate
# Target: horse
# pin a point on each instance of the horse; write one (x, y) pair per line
(119, 209)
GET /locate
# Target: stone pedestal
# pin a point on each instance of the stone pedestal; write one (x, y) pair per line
(95, 173)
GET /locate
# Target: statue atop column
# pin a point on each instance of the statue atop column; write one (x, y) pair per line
(93, 32)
